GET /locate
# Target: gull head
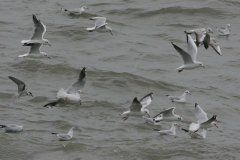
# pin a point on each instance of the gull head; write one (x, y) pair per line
(187, 92)
(84, 7)
(214, 124)
(74, 128)
(180, 119)
(199, 64)
(45, 55)
(176, 125)
(209, 30)
(29, 93)
(46, 42)
(146, 112)
(228, 25)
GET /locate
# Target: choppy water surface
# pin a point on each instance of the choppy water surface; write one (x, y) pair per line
(137, 60)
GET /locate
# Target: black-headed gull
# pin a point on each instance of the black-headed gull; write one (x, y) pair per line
(224, 31)
(99, 23)
(138, 107)
(35, 51)
(167, 115)
(12, 128)
(171, 131)
(72, 94)
(22, 90)
(201, 134)
(65, 136)
(76, 11)
(189, 58)
(38, 33)
(181, 98)
(203, 121)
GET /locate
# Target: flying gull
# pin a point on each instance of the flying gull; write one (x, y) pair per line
(76, 11)
(181, 98)
(99, 23)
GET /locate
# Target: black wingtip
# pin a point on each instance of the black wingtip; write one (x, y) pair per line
(2, 126)
(214, 117)
(167, 95)
(156, 129)
(185, 130)
(196, 104)
(54, 133)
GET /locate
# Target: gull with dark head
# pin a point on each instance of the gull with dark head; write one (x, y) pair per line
(35, 51)
(38, 33)
(189, 58)
(224, 31)
(137, 108)
(203, 121)
(12, 128)
(171, 131)
(65, 136)
(100, 22)
(181, 98)
(76, 11)
(22, 90)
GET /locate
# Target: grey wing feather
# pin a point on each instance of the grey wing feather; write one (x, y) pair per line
(200, 114)
(21, 85)
(60, 102)
(187, 59)
(174, 97)
(146, 100)
(79, 84)
(214, 118)
(136, 105)
(215, 46)
(35, 47)
(206, 40)
(167, 113)
(38, 30)
(100, 22)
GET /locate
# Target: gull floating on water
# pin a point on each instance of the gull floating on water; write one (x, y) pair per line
(12, 128)
(38, 33)
(203, 121)
(201, 134)
(35, 51)
(189, 58)
(76, 11)
(72, 93)
(171, 131)
(181, 98)
(99, 23)
(138, 107)
(22, 90)
(65, 136)
(224, 31)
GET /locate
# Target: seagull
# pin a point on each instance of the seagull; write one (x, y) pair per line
(151, 121)
(181, 98)
(225, 31)
(171, 131)
(72, 94)
(215, 46)
(167, 115)
(12, 128)
(65, 136)
(138, 107)
(76, 11)
(200, 134)
(99, 23)
(203, 121)
(38, 33)
(34, 51)
(189, 58)
(206, 30)
(22, 90)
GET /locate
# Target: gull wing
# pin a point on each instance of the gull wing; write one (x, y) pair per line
(194, 126)
(214, 118)
(187, 59)
(221, 31)
(215, 46)
(206, 40)
(38, 30)
(173, 97)
(21, 85)
(136, 105)
(167, 113)
(200, 114)
(146, 100)
(192, 48)
(100, 21)
(34, 47)
(80, 82)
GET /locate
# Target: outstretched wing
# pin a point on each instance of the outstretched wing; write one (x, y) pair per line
(200, 114)
(136, 105)
(21, 85)
(38, 30)
(167, 113)
(146, 100)
(187, 59)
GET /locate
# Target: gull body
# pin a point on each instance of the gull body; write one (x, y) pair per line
(201, 134)
(22, 90)
(100, 22)
(137, 108)
(203, 121)
(181, 98)
(189, 58)
(12, 128)
(38, 33)
(65, 136)
(225, 31)
(171, 131)
(167, 115)
(76, 11)
(35, 51)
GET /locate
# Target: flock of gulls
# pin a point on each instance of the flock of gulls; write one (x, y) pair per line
(138, 107)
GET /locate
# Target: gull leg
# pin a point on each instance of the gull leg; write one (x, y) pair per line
(66, 101)
(180, 70)
(80, 102)
(125, 118)
(196, 131)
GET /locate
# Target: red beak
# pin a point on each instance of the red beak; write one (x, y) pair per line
(49, 44)
(48, 57)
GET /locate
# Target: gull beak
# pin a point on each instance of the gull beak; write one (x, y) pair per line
(203, 66)
(87, 8)
(182, 121)
(217, 126)
(48, 57)
(178, 125)
(49, 44)
(111, 33)
(189, 93)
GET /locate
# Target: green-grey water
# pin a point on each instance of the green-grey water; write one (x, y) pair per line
(136, 60)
